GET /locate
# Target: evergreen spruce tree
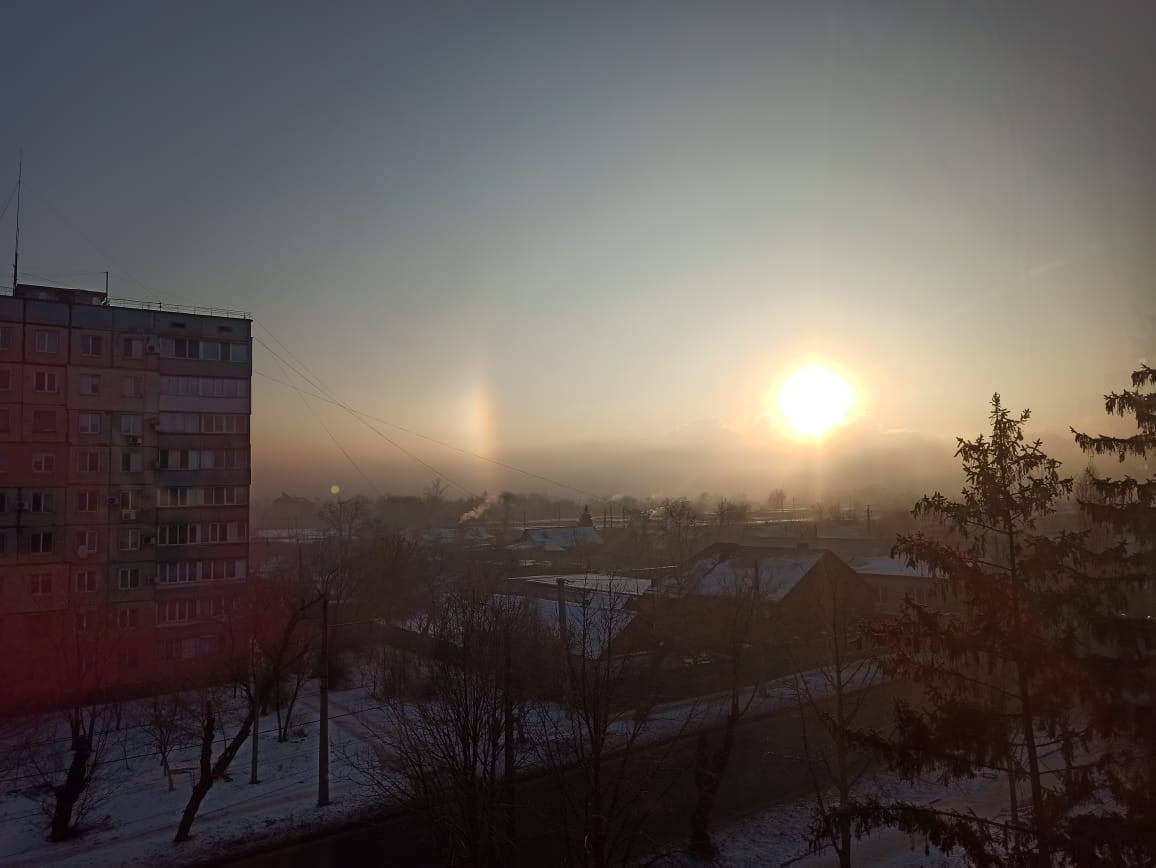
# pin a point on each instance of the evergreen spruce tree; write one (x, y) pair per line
(1122, 571)
(1001, 680)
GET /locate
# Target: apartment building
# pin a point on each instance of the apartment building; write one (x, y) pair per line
(124, 489)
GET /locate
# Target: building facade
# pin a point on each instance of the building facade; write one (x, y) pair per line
(124, 489)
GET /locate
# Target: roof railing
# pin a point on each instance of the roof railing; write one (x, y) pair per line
(198, 310)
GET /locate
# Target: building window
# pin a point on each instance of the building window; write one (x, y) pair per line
(86, 582)
(224, 423)
(46, 381)
(89, 423)
(87, 500)
(131, 462)
(5, 380)
(132, 348)
(87, 542)
(88, 461)
(129, 499)
(180, 423)
(90, 384)
(44, 421)
(41, 542)
(91, 345)
(126, 658)
(42, 502)
(132, 387)
(5, 338)
(204, 387)
(40, 584)
(129, 540)
(128, 578)
(47, 342)
(85, 621)
(176, 611)
(130, 424)
(43, 462)
(177, 497)
(126, 618)
(226, 496)
(5, 421)
(178, 534)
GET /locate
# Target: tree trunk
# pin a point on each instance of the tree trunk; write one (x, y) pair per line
(1027, 718)
(709, 773)
(69, 793)
(210, 771)
(255, 737)
(204, 781)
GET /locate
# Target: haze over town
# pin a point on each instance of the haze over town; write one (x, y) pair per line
(596, 435)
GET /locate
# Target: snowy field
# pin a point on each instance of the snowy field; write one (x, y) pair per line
(137, 822)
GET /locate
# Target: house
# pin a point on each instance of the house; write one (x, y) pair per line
(473, 535)
(591, 611)
(776, 603)
(894, 580)
(556, 539)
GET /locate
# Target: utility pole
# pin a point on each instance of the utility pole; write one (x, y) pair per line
(256, 710)
(508, 739)
(16, 253)
(323, 724)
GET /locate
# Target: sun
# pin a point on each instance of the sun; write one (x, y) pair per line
(814, 401)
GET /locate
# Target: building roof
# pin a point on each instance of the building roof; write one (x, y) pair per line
(557, 539)
(885, 565)
(453, 535)
(592, 625)
(778, 572)
(600, 582)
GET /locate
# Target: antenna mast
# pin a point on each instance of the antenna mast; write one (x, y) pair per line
(16, 254)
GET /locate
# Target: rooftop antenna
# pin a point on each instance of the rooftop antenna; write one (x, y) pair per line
(16, 254)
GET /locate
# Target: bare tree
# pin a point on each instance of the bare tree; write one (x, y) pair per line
(742, 641)
(835, 694)
(275, 616)
(68, 753)
(680, 518)
(454, 755)
(609, 780)
(164, 721)
(67, 749)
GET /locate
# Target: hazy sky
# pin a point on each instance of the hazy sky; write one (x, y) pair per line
(527, 227)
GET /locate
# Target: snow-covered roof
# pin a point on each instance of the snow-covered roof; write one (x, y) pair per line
(557, 539)
(592, 625)
(777, 574)
(885, 565)
(292, 534)
(601, 582)
(454, 535)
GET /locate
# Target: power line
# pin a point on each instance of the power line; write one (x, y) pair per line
(197, 744)
(333, 399)
(358, 413)
(336, 442)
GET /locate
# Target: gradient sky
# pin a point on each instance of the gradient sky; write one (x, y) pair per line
(527, 227)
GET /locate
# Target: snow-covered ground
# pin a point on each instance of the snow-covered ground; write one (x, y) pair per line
(137, 822)
(778, 836)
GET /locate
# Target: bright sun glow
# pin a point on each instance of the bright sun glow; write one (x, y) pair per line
(815, 400)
